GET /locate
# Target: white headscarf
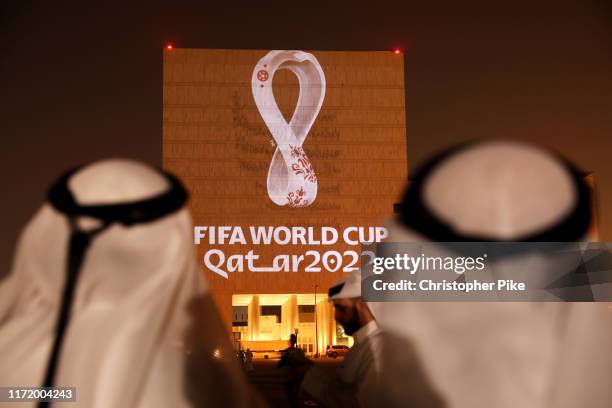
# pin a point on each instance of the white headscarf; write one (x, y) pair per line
(124, 346)
(503, 355)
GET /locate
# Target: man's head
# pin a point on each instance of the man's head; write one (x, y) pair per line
(508, 190)
(351, 311)
(352, 314)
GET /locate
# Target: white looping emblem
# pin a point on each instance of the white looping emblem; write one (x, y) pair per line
(291, 177)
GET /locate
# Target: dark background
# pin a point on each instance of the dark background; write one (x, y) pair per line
(81, 81)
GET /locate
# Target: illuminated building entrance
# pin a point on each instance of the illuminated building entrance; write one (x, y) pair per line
(264, 322)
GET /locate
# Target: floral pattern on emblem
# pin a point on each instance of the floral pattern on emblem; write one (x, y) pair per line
(297, 199)
(302, 165)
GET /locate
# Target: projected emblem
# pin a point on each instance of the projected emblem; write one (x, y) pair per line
(291, 178)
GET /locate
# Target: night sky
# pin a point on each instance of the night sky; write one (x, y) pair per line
(80, 82)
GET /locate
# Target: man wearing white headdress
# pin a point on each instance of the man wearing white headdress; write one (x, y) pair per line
(504, 355)
(105, 295)
(380, 370)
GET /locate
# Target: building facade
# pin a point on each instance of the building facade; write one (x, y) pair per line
(293, 159)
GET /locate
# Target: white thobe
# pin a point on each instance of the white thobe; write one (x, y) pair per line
(379, 370)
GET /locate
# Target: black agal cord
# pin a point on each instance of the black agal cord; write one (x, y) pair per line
(413, 211)
(128, 214)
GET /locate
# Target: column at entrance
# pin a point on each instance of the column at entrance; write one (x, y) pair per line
(289, 317)
(331, 324)
(325, 321)
(254, 311)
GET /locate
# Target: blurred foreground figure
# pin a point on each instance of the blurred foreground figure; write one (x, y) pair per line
(105, 295)
(380, 370)
(291, 372)
(503, 355)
